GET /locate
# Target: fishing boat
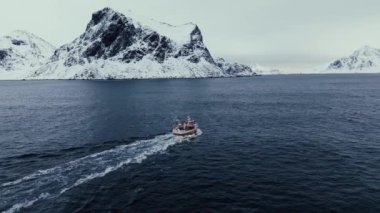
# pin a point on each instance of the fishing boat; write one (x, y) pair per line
(185, 128)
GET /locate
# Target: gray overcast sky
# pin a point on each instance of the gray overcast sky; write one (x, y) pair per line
(285, 34)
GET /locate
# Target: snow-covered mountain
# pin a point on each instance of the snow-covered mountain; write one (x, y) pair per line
(235, 69)
(118, 46)
(21, 53)
(365, 59)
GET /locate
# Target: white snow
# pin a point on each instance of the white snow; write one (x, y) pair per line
(363, 60)
(367, 52)
(177, 33)
(143, 69)
(26, 52)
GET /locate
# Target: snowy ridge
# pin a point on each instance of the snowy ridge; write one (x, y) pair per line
(22, 52)
(363, 60)
(177, 33)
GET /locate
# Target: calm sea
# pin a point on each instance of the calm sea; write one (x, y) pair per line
(297, 143)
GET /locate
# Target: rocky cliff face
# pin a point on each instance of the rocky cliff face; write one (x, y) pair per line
(118, 46)
(22, 52)
(111, 35)
(363, 59)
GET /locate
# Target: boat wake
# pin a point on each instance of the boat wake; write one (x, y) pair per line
(50, 183)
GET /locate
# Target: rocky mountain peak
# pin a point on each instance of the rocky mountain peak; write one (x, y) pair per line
(124, 45)
(196, 35)
(113, 35)
(117, 46)
(105, 16)
(100, 15)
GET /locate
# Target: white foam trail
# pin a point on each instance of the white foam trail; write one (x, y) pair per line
(50, 183)
(19, 206)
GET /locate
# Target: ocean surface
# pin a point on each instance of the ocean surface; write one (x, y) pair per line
(297, 143)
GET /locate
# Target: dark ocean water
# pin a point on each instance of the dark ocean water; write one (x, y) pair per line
(270, 144)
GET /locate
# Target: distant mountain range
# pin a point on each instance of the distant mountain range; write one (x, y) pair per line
(363, 60)
(116, 46)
